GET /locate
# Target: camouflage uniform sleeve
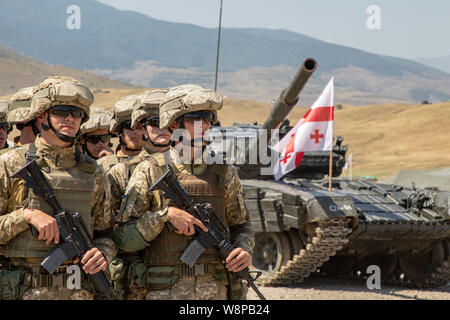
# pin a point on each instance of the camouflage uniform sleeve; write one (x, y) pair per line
(116, 178)
(237, 216)
(12, 223)
(144, 205)
(102, 214)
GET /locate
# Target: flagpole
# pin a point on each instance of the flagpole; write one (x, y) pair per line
(331, 170)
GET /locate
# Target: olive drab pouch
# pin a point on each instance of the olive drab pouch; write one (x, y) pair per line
(161, 278)
(137, 275)
(116, 273)
(140, 275)
(13, 284)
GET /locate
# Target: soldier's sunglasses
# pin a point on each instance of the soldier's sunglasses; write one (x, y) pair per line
(96, 138)
(207, 116)
(64, 111)
(5, 126)
(153, 122)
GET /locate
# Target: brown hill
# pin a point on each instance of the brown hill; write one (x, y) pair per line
(18, 72)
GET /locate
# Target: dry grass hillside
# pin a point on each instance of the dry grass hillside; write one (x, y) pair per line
(17, 72)
(382, 138)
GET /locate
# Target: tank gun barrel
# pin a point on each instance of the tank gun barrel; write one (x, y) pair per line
(289, 97)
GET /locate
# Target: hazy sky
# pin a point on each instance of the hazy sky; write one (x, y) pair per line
(409, 29)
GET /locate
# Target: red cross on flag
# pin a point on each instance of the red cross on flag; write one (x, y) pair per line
(314, 132)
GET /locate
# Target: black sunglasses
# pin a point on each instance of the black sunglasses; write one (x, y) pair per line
(207, 116)
(96, 138)
(153, 122)
(64, 111)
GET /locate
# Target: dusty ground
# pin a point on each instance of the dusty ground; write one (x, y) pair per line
(340, 289)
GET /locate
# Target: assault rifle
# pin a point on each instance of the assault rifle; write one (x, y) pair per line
(75, 239)
(217, 231)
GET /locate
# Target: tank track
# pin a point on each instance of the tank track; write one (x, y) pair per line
(330, 237)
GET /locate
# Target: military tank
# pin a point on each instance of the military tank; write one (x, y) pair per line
(302, 228)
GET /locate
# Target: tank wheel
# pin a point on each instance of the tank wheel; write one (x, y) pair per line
(294, 241)
(419, 268)
(272, 251)
(387, 263)
(338, 266)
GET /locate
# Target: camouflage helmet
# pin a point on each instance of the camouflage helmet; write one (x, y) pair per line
(100, 119)
(147, 106)
(20, 105)
(122, 111)
(55, 91)
(185, 99)
(3, 110)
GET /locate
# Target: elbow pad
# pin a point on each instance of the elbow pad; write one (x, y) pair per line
(128, 238)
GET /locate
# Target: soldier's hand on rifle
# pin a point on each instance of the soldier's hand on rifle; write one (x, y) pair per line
(183, 221)
(238, 260)
(94, 261)
(44, 223)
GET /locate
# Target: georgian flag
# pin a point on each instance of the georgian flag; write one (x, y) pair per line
(314, 132)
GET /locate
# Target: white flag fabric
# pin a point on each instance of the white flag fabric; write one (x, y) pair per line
(314, 132)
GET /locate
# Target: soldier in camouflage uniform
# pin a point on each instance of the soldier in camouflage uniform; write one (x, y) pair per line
(60, 105)
(95, 135)
(18, 114)
(145, 114)
(163, 275)
(5, 127)
(130, 140)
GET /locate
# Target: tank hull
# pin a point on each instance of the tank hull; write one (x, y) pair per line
(341, 231)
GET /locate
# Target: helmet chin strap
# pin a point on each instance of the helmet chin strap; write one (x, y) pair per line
(85, 149)
(34, 127)
(123, 144)
(61, 136)
(192, 141)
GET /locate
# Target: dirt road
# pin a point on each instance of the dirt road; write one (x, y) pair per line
(339, 289)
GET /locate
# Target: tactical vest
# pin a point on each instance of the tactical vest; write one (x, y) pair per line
(167, 248)
(111, 160)
(73, 189)
(133, 163)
